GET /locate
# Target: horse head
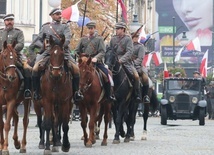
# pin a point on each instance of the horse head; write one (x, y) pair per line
(56, 51)
(87, 71)
(111, 59)
(8, 61)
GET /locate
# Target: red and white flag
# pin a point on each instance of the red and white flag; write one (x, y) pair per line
(124, 10)
(194, 45)
(178, 56)
(203, 66)
(165, 72)
(147, 59)
(71, 13)
(143, 37)
(157, 58)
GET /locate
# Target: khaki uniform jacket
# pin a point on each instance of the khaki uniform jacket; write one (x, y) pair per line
(10, 36)
(93, 46)
(138, 55)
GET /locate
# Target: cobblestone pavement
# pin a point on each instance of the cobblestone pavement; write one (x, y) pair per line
(181, 137)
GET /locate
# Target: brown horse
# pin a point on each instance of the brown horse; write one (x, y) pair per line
(94, 101)
(56, 91)
(11, 96)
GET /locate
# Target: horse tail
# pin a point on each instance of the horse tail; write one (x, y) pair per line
(154, 101)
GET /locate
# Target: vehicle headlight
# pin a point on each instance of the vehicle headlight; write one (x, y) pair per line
(172, 98)
(195, 100)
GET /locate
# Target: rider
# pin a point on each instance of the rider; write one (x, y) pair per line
(137, 57)
(11, 34)
(93, 45)
(57, 30)
(123, 46)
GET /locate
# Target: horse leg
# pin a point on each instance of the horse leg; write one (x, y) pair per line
(55, 131)
(92, 139)
(83, 115)
(1, 131)
(47, 124)
(15, 134)
(99, 121)
(27, 104)
(145, 118)
(65, 127)
(107, 118)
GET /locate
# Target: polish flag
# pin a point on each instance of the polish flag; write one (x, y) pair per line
(203, 67)
(165, 72)
(147, 60)
(178, 56)
(124, 10)
(157, 58)
(71, 13)
(194, 45)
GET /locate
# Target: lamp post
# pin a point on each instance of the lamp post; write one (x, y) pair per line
(173, 41)
(135, 25)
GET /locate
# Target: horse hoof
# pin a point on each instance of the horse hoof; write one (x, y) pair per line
(47, 152)
(116, 141)
(65, 149)
(126, 140)
(94, 141)
(55, 149)
(41, 146)
(17, 145)
(143, 138)
(88, 145)
(22, 151)
(104, 144)
(97, 137)
(5, 152)
(132, 138)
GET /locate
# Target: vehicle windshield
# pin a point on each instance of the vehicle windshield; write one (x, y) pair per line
(183, 84)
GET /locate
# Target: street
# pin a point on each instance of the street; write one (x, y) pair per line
(181, 137)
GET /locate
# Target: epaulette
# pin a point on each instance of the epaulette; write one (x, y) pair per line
(17, 29)
(46, 23)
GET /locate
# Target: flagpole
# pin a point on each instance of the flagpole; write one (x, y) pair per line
(117, 12)
(83, 22)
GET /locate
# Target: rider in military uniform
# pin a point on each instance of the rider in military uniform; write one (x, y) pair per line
(11, 34)
(137, 57)
(93, 45)
(57, 30)
(123, 46)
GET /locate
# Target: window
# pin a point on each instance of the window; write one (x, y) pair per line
(2, 8)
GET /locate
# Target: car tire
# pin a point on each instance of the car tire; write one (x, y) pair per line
(201, 116)
(163, 115)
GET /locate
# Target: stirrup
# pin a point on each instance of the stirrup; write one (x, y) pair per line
(146, 99)
(112, 98)
(36, 96)
(78, 96)
(27, 94)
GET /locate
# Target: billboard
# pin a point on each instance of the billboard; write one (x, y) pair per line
(191, 16)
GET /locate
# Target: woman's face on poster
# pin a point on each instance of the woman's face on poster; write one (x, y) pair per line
(196, 14)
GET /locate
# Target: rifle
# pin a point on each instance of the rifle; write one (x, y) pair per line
(104, 31)
(106, 36)
(137, 31)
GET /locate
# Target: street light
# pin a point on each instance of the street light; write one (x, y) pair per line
(135, 25)
(173, 46)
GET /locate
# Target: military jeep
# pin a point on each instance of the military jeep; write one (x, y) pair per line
(183, 98)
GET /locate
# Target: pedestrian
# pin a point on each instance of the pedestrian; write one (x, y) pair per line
(11, 34)
(122, 44)
(137, 57)
(57, 29)
(93, 45)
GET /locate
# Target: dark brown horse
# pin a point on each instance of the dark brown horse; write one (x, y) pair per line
(56, 91)
(94, 101)
(11, 96)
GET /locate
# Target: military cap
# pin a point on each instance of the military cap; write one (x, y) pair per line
(177, 74)
(91, 24)
(55, 10)
(196, 72)
(120, 25)
(8, 16)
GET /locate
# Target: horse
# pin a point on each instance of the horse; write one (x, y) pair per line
(94, 103)
(124, 94)
(56, 90)
(11, 96)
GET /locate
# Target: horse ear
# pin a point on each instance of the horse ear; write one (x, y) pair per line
(5, 44)
(88, 61)
(14, 44)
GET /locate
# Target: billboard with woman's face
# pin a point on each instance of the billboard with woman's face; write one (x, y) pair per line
(195, 17)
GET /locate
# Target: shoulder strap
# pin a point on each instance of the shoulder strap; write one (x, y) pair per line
(55, 32)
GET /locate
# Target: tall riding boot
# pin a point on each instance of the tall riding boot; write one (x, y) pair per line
(109, 92)
(138, 94)
(27, 87)
(36, 87)
(78, 96)
(146, 98)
